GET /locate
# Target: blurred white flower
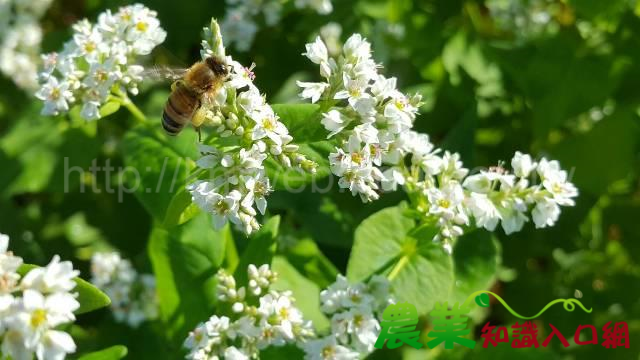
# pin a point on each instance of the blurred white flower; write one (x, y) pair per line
(133, 295)
(20, 40)
(243, 18)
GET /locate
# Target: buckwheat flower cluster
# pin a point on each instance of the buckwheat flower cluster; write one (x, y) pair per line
(20, 39)
(448, 197)
(133, 295)
(33, 307)
(367, 116)
(256, 318)
(246, 132)
(243, 17)
(354, 310)
(377, 151)
(99, 62)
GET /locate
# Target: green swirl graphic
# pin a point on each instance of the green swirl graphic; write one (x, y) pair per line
(482, 299)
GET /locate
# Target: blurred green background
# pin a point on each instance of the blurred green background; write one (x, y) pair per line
(554, 78)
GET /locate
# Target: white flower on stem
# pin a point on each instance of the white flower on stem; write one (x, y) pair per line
(554, 180)
(392, 178)
(232, 353)
(334, 122)
(483, 210)
(357, 48)
(317, 51)
(545, 213)
(355, 90)
(56, 96)
(224, 208)
(267, 125)
(522, 164)
(312, 90)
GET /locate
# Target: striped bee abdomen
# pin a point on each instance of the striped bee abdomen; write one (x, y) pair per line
(179, 109)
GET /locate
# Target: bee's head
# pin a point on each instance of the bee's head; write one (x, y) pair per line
(218, 66)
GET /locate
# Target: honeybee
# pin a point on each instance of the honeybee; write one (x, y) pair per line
(193, 87)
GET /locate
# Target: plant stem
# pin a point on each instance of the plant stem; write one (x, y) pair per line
(127, 103)
(396, 269)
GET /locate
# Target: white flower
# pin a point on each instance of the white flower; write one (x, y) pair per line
(267, 125)
(545, 213)
(392, 178)
(56, 96)
(522, 164)
(328, 349)
(312, 90)
(512, 219)
(334, 122)
(354, 92)
(55, 345)
(55, 277)
(446, 201)
(357, 47)
(232, 353)
(37, 314)
(483, 210)
(323, 7)
(317, 51)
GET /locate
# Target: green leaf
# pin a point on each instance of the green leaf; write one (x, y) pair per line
(185, 260)
(89, 296)
(309, 260)
(421, 272)
(112, 353)
(476, 256)
(157, 167)
(303, 122)
(306, 293)
(181, 209)
(261, 249)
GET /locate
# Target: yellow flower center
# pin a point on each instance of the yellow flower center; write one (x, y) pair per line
(269, 124)
(557, 187)
(356, 158)
(90, 46)
(328, 352)
(55, 94)
(142, 26)
(284, 313)
(38, 317)
(444, 203)
(222, 207)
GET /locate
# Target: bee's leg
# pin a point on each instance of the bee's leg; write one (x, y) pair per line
(198, 129)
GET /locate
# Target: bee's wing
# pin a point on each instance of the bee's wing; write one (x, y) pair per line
(164, 73)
